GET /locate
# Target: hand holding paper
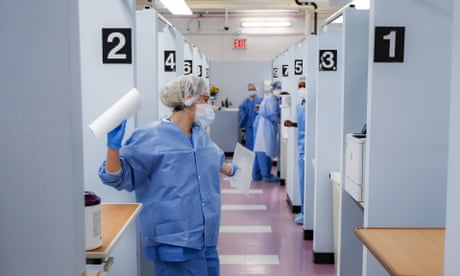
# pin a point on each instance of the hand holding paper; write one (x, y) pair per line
(124, 108)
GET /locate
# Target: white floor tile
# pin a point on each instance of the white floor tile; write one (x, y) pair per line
(236, 191)
(250, 259)
(245, 229)
(238, 207)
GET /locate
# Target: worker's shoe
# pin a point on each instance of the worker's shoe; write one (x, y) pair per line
(299, 218)
(271, 178)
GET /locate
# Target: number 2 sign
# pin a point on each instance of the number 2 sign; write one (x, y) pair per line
(116, 45)
(389, 44)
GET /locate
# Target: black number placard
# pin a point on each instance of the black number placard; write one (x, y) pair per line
(275, 73)
(327, 60)
(389, 44)
(285, 69)
(188, 67)
(116, 45)
(298, 67)
(170, 61)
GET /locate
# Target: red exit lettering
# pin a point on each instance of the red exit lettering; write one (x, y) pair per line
(239, 43)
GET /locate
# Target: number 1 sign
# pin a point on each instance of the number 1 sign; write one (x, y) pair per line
(389, 44)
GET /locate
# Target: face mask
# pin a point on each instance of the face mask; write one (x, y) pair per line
(204, 115)
(302, 93)
(252, 93)
(276, 92)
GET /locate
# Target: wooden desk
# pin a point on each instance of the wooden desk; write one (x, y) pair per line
(115, 219)
(406, 251)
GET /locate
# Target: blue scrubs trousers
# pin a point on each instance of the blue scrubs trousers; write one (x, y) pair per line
(262, 166)
(204, 263)
(301, 163)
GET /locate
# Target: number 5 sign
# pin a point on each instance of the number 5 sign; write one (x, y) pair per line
(389, 44)
(116, 45)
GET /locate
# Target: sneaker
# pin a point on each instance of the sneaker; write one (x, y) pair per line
(299, 218)
(271, 178)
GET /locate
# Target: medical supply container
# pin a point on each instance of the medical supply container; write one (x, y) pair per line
(93, 234)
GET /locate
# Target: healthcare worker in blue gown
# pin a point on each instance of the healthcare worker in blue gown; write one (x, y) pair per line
(300, 114)
(173, 167)
(247, 112)
(266, 125)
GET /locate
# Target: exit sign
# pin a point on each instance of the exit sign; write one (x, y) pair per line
(239, 43)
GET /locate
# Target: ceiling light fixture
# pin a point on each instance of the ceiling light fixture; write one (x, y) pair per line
(266, 31)
(263, 24)
(177, 7)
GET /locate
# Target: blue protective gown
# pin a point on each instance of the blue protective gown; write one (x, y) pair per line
(177, 178)
(266, 145)
(247, 113)
(267, 138)
(300, 110)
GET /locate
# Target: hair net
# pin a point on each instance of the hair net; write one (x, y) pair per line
(276, 85)
(174, 92)
(252, 87)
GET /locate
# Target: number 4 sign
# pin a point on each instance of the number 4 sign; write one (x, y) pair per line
(389, 44)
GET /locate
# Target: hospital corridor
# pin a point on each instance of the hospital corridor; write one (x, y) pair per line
(229, 138)
(258, 235)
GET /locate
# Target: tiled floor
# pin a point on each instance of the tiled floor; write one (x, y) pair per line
(259, 237)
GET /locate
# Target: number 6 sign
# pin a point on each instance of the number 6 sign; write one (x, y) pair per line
(116, 45)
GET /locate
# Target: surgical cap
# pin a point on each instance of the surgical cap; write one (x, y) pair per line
(276, 85)
(174, 92)
(252, 87)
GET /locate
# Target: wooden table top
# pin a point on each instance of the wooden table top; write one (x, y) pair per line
(406, 251)
(115, 218)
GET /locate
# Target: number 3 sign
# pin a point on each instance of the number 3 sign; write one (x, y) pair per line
(116, 45)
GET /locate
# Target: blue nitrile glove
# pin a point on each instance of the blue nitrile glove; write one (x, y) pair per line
(235, 168)
(115, 136)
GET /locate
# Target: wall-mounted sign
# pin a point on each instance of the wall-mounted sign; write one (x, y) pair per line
(298, 67)
(207, 73)
(170, 61)
(275, 73)
(200, 70)
(327, 60)
(285, 69)
(239, 43)
(116, 45)
(188, 67)
(389, 44)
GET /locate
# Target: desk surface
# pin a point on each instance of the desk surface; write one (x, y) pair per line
(406, 251)
(115, 218)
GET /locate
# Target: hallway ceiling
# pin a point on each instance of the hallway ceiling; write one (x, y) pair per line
(256, 8)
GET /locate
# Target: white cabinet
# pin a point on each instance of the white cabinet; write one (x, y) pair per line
(354, 165)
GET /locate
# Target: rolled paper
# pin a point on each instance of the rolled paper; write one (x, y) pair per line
(125, 107)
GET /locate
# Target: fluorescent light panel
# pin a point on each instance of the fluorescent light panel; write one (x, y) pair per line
(262, 24)
(177, 7)
(264, 31)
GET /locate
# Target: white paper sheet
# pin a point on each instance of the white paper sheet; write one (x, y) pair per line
(125, 107)
(244, 159)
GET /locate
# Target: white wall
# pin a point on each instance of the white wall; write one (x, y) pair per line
(41, 171)
(233, 78)
(408, 120)
(102, 85)
(259, 48)
(452, 243)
